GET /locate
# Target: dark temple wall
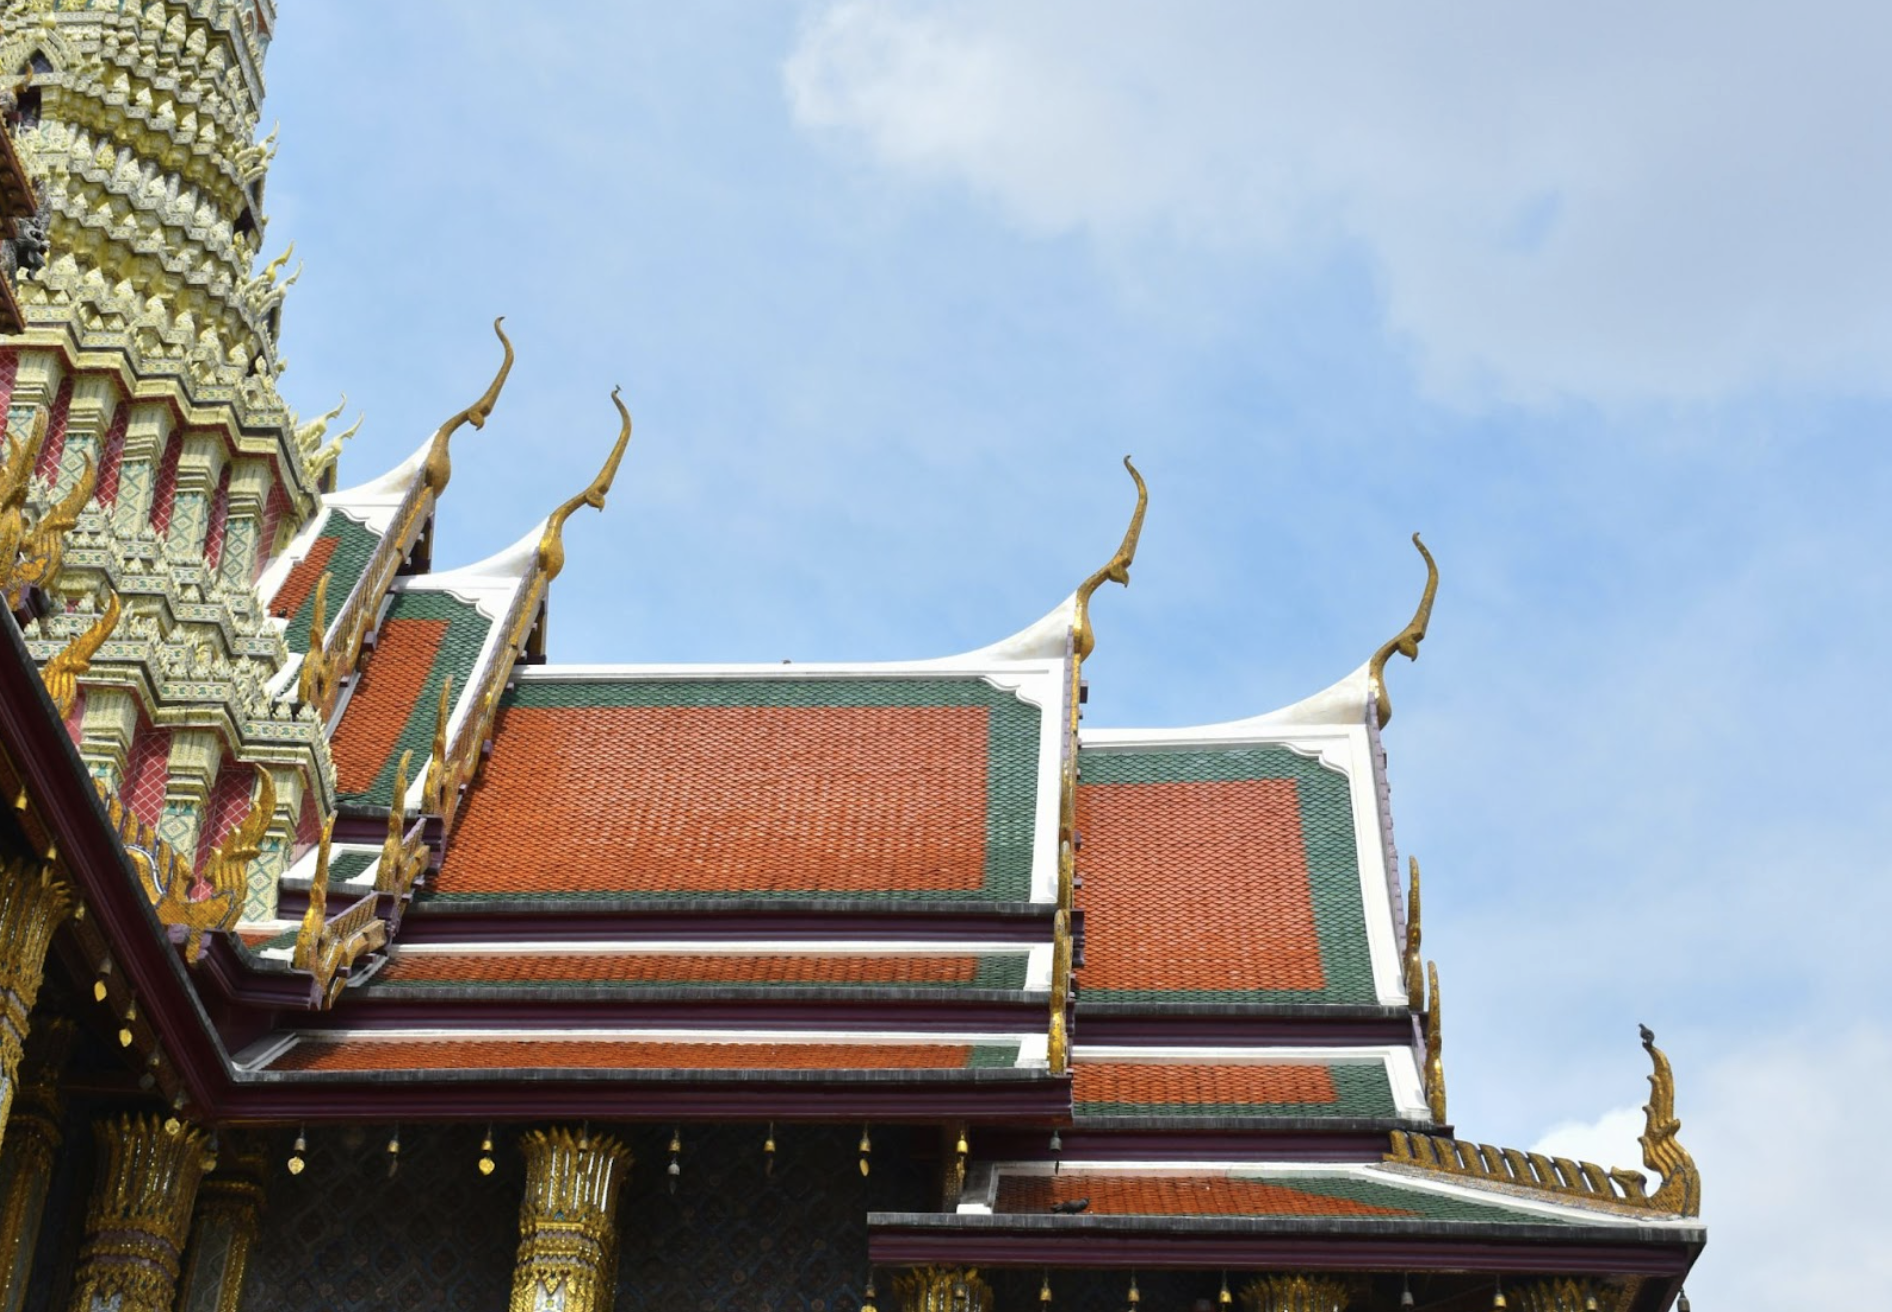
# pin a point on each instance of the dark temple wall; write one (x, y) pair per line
(439, 1237)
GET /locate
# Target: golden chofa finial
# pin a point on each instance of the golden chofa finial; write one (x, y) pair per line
(439, 467)
(552, 544)
(1084, 640)
(1407, 643)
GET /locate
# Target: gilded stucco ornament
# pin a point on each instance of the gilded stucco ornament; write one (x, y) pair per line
(568, 1221)
(34, 901)
(45, 546)
(62, 673)
(328, 948)
(434, 791)
(316, 683)
(403, 854)
(1435, 1044)
(17, 458)
(1415, 974)
(552, 543)
(1621, 1189)
(1116, 571)
(140, 1214)
(214, 898)
(1406, 643)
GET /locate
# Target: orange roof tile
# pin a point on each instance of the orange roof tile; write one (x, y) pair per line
(706, 799)
(1160, 1084)
(1198, 886)
(381, 706)
(302, 579)
(1166, 1195)
(659, 968)
(555, 1053)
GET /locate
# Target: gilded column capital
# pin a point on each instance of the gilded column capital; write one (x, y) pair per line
(1297, 1293)
(942, 1289)
(33, 902)
(140, 1214)
(567, 1223)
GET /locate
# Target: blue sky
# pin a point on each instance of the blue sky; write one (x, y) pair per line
(1598, 300)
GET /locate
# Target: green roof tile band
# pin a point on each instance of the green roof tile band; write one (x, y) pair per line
(1359, 1090)
(1333, 862)
(1431, 1206)
(354, 546)
(1012, 746)
(456, 656)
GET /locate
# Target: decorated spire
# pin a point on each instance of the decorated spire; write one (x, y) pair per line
(1117, 570)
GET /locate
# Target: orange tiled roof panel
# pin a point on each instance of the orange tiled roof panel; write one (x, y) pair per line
(1160, 1083)
(653, 968)
(303, 576)
(1219, 875)
(1168, 1195)
(386, 699)
(553, 1052)
(794, 788)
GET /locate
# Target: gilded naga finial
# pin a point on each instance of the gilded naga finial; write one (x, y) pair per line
(61, 674)
(1435, 1044)
(1117, 571)
(45, 546)
(439, 467)
(214, 899)
(402, 858)
(1415, 975)
(1407, 643)
(552, 544)
(1680, 1190)
(316, 917)
(433, 794)
(16, 477)
(317, 674)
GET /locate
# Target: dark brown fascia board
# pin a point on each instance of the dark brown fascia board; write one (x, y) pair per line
(1239, 1024)
(577, 920)
(1254, 1243)
(380, 1009)
(978, 1097)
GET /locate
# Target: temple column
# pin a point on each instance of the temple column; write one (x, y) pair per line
(26, 1165)
(146, 435)
(229, 1215)
(196, 755)
(568, 1222)
(139, 1215)
(111, 720)
(250, 483)
(94, 398)
(198, 470)
(33, 901)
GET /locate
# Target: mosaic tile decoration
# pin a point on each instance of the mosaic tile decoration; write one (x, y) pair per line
(795, 788)
(1151, 1194)
(1219, 875)
(515, 972)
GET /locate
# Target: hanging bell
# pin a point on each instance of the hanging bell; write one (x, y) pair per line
(1224, 1298)
(1044, 1291)
(867, 1297)
(296, 1161)
(394, 1152)
(1681, 1304)
(768, 1163)
(124, 1031)
(1405, 1291)
(99, 991)
(962, 1147)
(867, 1147)
(1136, 1295)
(486, 1153)
(1498, 1300)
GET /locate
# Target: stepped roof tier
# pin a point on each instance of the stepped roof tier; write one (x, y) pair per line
(306, 832)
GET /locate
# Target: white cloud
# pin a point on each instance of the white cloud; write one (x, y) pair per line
(1618, 201)
(1795, 1215)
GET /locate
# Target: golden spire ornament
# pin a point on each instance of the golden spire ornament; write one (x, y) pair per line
(1407, 641)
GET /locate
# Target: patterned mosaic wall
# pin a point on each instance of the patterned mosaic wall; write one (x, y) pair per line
(438, 1237)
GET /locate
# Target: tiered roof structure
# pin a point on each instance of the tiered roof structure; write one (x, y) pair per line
(329, 841)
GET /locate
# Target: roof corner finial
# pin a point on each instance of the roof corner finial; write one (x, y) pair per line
(439, 466)
(1415, 974)
(1408, 640)
(1084, 640)
(315, 918)
(552, 543)
(62, 672)
(1435, 1048)
(1680, 1190)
